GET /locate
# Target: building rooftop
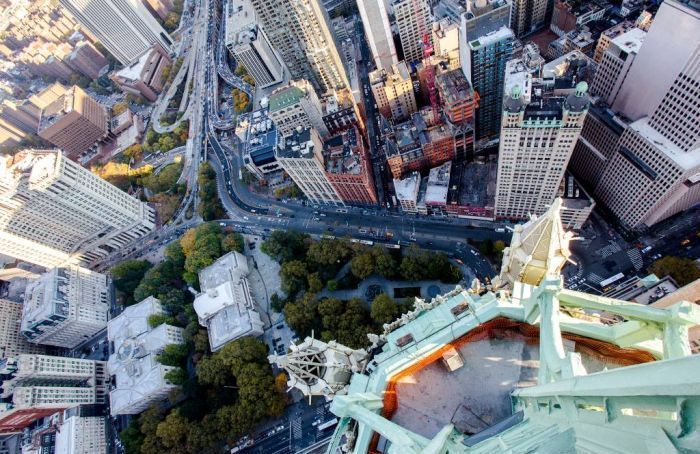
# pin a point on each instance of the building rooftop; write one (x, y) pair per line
(454, 86)
(570, 69)
(473, 185)
(438, 184)
(285, 97)
(685, 160)
(225, 306)
(63, 105)
(631, 41)
(136, 345)
(299, 144)
(573, 195)
(261, 138)
(241, 24)
(407, 188)
(343, 153)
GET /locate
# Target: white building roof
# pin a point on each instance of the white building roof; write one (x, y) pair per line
(438, 184)
(225, 306)
(685, 159)
(630, 41)
(407, 188)
(139, 375)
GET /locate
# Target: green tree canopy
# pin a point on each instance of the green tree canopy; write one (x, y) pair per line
(284, 246)
(126, 276)
(681, 269)
(384, 309)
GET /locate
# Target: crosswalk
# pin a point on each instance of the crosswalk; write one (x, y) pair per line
(594, 278)
(296, 429)
(636, 258)
(610, 249)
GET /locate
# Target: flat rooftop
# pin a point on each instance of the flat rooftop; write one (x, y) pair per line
(476, 395)
(342, 154)
(473, 184)
(454, 86)
(630, 41)
(407, 188)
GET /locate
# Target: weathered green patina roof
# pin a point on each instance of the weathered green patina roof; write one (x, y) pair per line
(285, 98)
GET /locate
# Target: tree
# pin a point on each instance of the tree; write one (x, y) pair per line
(411, 269)
(384, 309)
(119, 108)
(384, 263)
(294, 277)
(176, 376)
(157, 320)
(362, 265)
(131, 437)
(126, 276)
(174, 252)
(682, 270)
(210, 207)
(172, 432)
(499, 245)
(173, 355)
(277, 303)
(332, 285)
(327, 252)
(315, 283)
(301, 315)
(232, 242)
(284, 246)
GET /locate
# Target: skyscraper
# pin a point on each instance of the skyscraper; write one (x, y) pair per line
(654, 171)
(539, 129)
(300, 32)
(378, 32)
(249, 44)
(12, 344)
(413, 20)
(74, 122)
(393, 91)
(65, 307)
(528, 16)
(41, 385)
(53, 211)
(125, 27)
(488, 46)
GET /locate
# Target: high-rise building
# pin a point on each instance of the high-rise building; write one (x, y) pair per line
(12, 344)
(74, 122)
(300, 32)
(301, 156)
(144, 76)
(65, 307)
(86, 59)
(393, 91)
(608, 35)
(615, 63)
(349, 168)
(653, 173)
(488, 45)
(528, 16)
(139, 378)
(54, 211)
(539, 129)
(125, 27)
(296, 105)
(414, 21)
(249, 44)
(446, 42)
(41, 385)
(459, 102)
(378, 32)
(81, 435)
